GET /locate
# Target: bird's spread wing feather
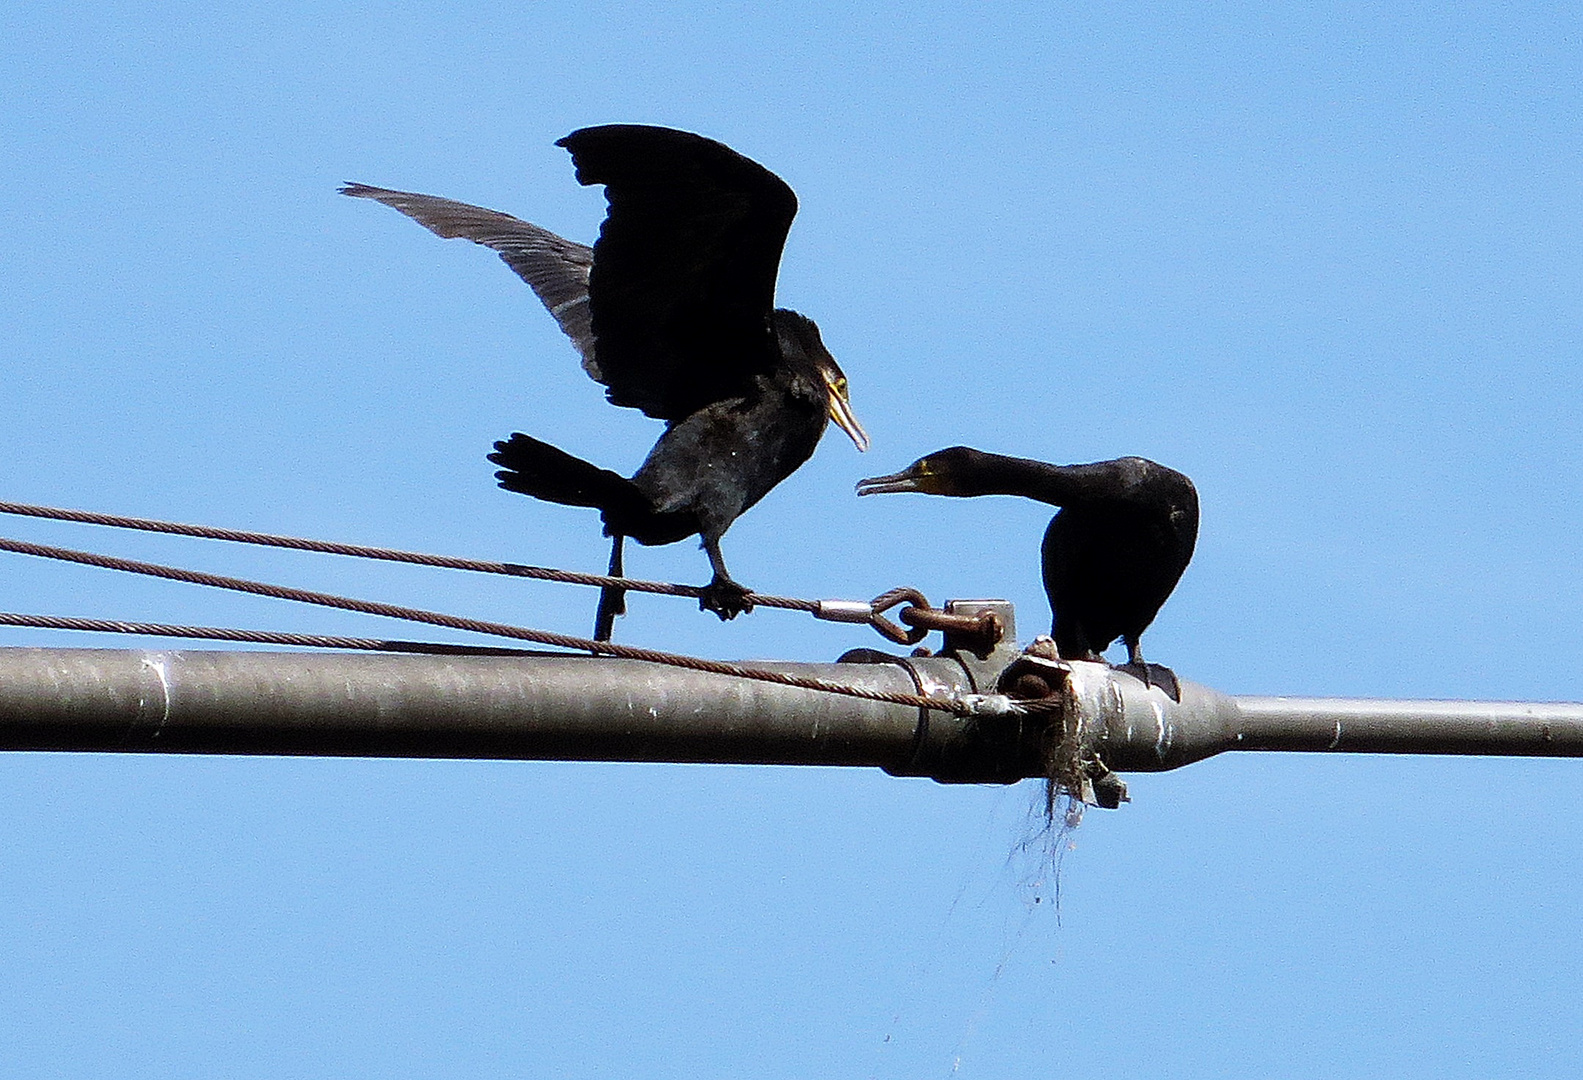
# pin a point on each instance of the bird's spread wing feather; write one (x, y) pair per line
(683, 279)
(556, 268)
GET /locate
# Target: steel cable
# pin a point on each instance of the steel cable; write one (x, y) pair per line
(959, 706)
(363, 551)
(260, 637)
(918, 616)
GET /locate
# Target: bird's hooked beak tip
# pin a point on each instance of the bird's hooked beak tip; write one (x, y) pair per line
(845, 419)
(840, 403)
(908, 479)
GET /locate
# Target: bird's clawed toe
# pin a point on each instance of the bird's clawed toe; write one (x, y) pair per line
(1154, 676)
(725, 598)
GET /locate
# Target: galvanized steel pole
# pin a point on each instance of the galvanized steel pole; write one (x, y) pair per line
(1138, 728)
(551, 707)
(582, 708)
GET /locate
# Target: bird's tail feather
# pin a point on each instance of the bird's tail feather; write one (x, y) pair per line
(536, 468)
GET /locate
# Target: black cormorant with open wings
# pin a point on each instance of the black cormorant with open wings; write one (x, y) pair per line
(673, 310)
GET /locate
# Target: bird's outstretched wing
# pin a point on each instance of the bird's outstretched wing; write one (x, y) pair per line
(556, 268)
(683, 279)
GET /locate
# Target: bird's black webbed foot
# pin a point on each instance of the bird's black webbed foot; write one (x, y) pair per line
(1154, 676)
(725, 598)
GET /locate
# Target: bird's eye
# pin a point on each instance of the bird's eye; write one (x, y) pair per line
(840, 386)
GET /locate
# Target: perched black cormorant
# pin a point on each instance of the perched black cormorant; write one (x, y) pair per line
(1113, 552)
(673, 310)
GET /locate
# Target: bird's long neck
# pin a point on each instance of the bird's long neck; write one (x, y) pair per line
(1057, 485)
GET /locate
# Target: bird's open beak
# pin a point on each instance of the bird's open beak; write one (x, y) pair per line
(845, 419)
(914, 477)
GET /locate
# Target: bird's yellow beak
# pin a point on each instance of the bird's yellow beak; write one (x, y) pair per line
(841, 410)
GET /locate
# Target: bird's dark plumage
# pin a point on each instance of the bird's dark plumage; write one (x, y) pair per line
(684, 270)
(1112, 554)
(673, 311)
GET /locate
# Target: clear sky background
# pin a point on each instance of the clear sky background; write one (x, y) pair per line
(1326, 262)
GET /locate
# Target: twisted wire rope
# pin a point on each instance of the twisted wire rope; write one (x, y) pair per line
(954, 705)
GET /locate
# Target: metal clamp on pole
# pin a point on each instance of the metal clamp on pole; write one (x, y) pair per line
(979, 633)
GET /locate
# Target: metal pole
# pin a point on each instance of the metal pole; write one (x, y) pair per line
(1133, 727)
(551, 707)
(1360, 726)
(583, 708)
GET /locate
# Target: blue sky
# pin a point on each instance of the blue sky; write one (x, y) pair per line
(1326, 261)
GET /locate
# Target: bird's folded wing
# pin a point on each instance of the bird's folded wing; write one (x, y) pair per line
(556, 268)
